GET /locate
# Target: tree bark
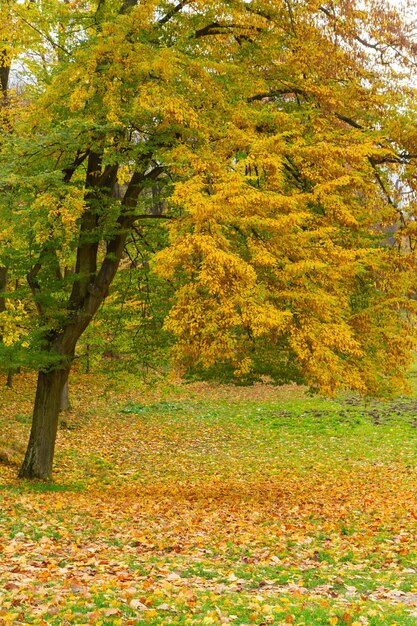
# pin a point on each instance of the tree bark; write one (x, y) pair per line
(4, 86)
(41, 447)
(3, 285)
(65, 404)
(90, 287)
(10, 377)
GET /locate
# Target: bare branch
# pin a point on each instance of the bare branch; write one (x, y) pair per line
(48, 38)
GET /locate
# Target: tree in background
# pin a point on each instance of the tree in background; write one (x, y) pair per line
(273, 132)
(12, 311)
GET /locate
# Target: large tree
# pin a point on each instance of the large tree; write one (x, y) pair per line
(271, 132)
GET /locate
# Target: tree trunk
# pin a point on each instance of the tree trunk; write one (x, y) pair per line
(65, 403)
(40, 451)
(10, 376)
(3, 285)
(11, 373)
(87, 361)
(90, 287)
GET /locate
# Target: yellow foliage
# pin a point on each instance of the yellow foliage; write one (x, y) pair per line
(11, 321)
(275, 136)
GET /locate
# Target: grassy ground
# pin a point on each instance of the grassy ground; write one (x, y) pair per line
(193, 504)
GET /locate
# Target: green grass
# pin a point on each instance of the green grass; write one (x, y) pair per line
(217, 505)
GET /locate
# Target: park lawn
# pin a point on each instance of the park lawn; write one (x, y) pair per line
(202, 504)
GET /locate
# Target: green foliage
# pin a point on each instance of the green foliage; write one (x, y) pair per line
(268, 138)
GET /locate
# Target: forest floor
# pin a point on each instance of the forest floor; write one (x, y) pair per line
(200, 504)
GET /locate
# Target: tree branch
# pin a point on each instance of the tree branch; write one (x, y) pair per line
(215, 28)
(48, 38)
(126, 5)
(79, 159)
(285, 91)
(136, 185)
(3, 285)
(381, 182)
(349, 121)
(34, 285)
(173, 11)
(145, 216)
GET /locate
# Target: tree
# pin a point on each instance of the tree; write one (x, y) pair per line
(266, 126)
(127, 332)
(7, 49)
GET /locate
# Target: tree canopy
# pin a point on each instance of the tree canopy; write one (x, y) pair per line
(273, 139)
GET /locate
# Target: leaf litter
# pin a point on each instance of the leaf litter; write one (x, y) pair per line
(161, 517)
